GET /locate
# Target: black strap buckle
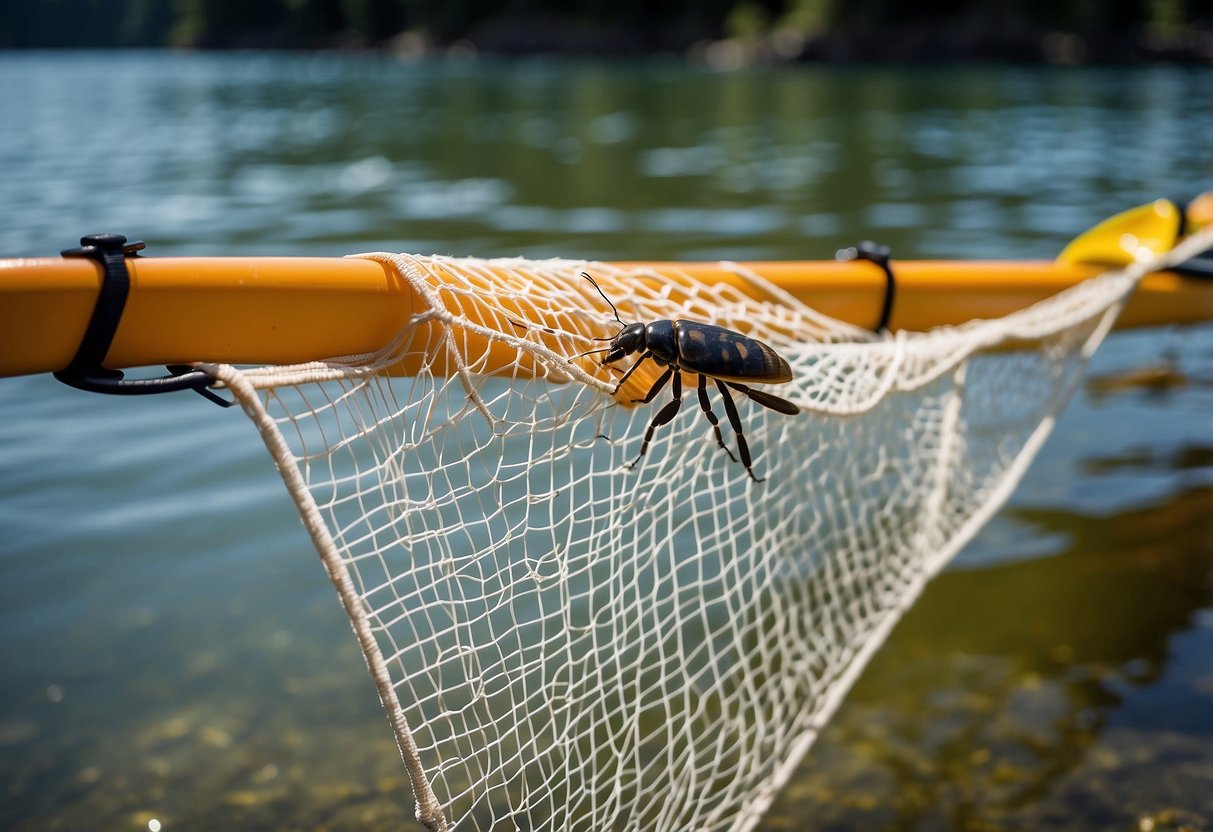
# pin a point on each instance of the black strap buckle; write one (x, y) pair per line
(85, 371)
(881, 255)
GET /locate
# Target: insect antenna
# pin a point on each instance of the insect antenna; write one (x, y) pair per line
(586, 275)
(591, 352)
(523, 326)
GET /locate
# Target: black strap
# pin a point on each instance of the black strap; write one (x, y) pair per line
(1200, 265)
(85, 371)
(881, 256)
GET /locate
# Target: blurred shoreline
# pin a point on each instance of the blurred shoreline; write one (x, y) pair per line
(925, 42)
(720, 35)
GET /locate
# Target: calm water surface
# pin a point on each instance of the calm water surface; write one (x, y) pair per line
(169, 646)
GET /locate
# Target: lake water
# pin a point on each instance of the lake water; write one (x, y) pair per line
(170, 648)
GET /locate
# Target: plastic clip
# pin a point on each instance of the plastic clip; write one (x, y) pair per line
(85, 371)
(881, 256)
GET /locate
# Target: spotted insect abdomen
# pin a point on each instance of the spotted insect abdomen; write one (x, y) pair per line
(728, 355)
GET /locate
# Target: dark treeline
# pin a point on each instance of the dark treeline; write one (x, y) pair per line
(1049, 30)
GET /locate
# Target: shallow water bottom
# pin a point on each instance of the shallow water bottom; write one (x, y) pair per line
(1067, 691)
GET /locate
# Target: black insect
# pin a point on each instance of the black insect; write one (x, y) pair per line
(728, 358)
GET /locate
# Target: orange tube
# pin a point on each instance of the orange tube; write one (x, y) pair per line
(278, 310)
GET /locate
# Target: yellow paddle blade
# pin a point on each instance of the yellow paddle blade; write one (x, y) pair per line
(1136, 234)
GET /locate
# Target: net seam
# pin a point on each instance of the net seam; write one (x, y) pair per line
(428, 810)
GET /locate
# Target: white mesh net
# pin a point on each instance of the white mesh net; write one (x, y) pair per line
(565, 643)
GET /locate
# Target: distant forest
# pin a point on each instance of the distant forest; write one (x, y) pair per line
(1064, 31)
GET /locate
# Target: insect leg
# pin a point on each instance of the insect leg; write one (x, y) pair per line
(631, 370)
(743, 450)
(657, 385)
(706, 406)
(663, 416)
(766, 399)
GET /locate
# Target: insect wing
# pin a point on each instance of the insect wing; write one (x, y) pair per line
(727, 355)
